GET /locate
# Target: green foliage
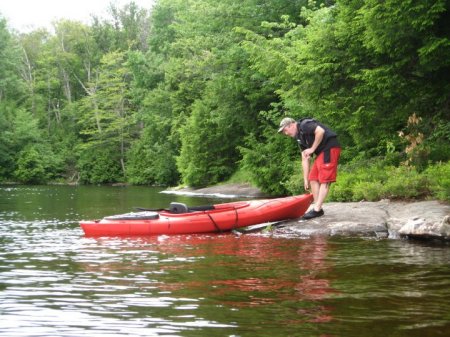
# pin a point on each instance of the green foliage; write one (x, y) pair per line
(152, 165)
(437, 141)
(206, 153)
(98, 166)
(438, 176)
(241, 176)
(212, 90)
(36, 164)
(107, 120)
(375, 181)
(405, 183)
(11, 87)
(7, 150)
(30, 167)
(151, 159)
(193, 92)
(271, 164)
(26, 155)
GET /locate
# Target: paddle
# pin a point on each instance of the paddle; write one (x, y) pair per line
(258, 227)
(142, 209)
(190, 208)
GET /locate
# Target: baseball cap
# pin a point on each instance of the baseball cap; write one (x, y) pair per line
(285, 122)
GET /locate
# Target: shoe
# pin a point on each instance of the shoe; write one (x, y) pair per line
(313, 214)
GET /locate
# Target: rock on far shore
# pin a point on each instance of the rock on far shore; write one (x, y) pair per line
(228, 190)
(427, 220)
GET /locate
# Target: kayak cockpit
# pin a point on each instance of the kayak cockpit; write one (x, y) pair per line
(177, 208)
(147, 215)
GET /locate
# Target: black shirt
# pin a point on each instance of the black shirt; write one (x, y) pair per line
(305, 135)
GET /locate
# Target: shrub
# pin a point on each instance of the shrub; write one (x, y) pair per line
(99, 166)
(295, 182)
(438, 177)
(30, 167)
(375, 182)
(36, 164)
(272, 164)
(342, 189)
(405, 183)
(368, 190)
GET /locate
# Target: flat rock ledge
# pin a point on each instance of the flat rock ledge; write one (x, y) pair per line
(423, 220)
(428, 220)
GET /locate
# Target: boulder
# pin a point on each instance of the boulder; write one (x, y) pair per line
(424, 228)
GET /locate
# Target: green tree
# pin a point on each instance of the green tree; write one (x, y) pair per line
(214, 96)
(32, 45)
(12, 90)
(30, 167)
(11, 86)
(34, 158)
(362, 67)
(7, 150)
(193, 90)
(107, 120)
(126, 28)
(399, 52)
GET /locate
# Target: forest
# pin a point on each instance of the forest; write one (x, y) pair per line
(191, 92)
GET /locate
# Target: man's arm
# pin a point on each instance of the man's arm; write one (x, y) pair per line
(318, 136)
(305, 167)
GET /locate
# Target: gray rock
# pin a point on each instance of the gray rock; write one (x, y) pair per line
(343, 219)
(383, 219)
(424, 228)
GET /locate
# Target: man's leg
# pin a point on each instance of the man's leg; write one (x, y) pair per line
(321, 196)
(320, 192)
(315, 188)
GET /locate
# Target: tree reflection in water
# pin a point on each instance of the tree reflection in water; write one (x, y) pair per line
(247, 271)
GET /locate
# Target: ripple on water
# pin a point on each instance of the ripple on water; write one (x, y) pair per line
(56, 282)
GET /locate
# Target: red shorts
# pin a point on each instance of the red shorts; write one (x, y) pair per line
(325, 172)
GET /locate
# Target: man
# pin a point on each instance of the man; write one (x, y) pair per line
(315, 138)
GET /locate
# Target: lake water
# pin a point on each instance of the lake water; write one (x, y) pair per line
(56, 282)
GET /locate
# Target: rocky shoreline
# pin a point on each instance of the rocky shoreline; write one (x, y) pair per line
(424, 220)
(428, 220)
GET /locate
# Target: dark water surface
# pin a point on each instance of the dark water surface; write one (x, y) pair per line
(56, 282)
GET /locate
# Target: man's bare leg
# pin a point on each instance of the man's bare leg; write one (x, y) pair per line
(321, 196)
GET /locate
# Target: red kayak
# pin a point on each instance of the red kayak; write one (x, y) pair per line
(180, 219)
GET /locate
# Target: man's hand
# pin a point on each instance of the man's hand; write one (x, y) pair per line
(307, 153)
(306, 185)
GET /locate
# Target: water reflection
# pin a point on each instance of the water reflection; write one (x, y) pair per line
(54, 281)
(232, 272)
